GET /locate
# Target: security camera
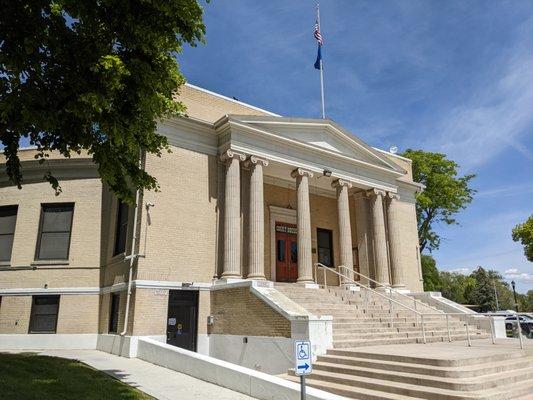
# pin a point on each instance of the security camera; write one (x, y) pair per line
(150, 205)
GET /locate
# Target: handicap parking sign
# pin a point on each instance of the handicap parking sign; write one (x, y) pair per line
(302, 357)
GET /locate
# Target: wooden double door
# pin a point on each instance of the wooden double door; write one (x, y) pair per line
(286, 252)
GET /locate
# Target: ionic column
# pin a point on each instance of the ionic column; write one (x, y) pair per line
(256, 239)
(345, 230)
(232, 215)
(380, 241)
(395, 247)
(365, 248)
(305, 261)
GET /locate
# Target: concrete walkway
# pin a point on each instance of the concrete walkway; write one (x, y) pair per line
(158, 382)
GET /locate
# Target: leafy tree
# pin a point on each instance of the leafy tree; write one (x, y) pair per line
(482, 293)
(92, 75)
(445, 193)
(529, 301)
(456, 287)
(524, 234)
(503, 291)
(430, 274)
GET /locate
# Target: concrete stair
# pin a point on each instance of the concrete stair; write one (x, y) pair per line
(361, 319)
(369, 376)
(406, 370)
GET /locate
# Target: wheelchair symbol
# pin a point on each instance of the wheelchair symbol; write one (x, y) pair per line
(303, 351)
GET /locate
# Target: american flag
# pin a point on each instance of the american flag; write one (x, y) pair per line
(318, 35)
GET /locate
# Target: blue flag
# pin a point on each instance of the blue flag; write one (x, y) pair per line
(318, 57)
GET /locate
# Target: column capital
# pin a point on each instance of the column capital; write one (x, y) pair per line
(393, 196)
(231, 154)
(301, 172)
(341, 182)
(254, 160)
(375, 192)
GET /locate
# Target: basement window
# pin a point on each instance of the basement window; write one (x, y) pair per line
(44, 312)
(113, 313)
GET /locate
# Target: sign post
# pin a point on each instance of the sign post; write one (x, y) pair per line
(302, 362)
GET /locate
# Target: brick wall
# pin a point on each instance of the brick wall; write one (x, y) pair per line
(238, 312)
(15, 314)
(179, 235)
(210, 108)
(151, 309)
(409, 242)
(78, 314)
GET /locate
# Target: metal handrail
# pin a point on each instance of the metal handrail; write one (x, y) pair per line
(368, 289)
(415, 301)
(325, 267)
(416, 312)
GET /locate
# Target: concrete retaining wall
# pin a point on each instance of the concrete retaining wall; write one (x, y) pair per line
(244, 380)
(124, 346)
(48, 341)
(273, 355)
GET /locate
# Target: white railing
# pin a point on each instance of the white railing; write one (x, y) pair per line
(418, 315)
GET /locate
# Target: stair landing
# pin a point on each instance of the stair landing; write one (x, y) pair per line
(436, 371)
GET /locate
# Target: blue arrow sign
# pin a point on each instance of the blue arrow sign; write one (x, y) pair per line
(304, 367)
(303, 360)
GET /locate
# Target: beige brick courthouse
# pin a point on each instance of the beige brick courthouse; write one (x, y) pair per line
(250, 202)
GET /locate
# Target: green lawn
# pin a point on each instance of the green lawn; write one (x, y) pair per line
(33, 377)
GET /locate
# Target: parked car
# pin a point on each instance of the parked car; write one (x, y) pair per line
(526, 323)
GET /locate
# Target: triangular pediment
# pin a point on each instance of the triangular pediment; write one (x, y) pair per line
(321, 134)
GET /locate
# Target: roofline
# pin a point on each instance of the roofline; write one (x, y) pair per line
(313, 122)
(27, 148)
(232, 100)
(394, 155)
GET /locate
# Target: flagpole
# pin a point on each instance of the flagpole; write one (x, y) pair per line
(321, 67)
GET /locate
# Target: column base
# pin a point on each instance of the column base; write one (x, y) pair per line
(305, 280)
(256, 277)
(385, 289)
(351, 287)
(310, 285)
(227, 280)
(401, 289)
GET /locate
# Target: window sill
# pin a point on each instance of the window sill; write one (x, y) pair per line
(38, 263)
(5, 263)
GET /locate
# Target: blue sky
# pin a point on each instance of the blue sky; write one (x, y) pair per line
(454, 77)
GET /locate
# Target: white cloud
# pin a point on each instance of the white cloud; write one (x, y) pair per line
(462, 271)
(495, 117)
(506, 191)
(515, 274)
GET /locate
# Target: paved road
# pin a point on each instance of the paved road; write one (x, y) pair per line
(158, 382)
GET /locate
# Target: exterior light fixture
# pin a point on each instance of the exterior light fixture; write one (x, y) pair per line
(327, 173)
